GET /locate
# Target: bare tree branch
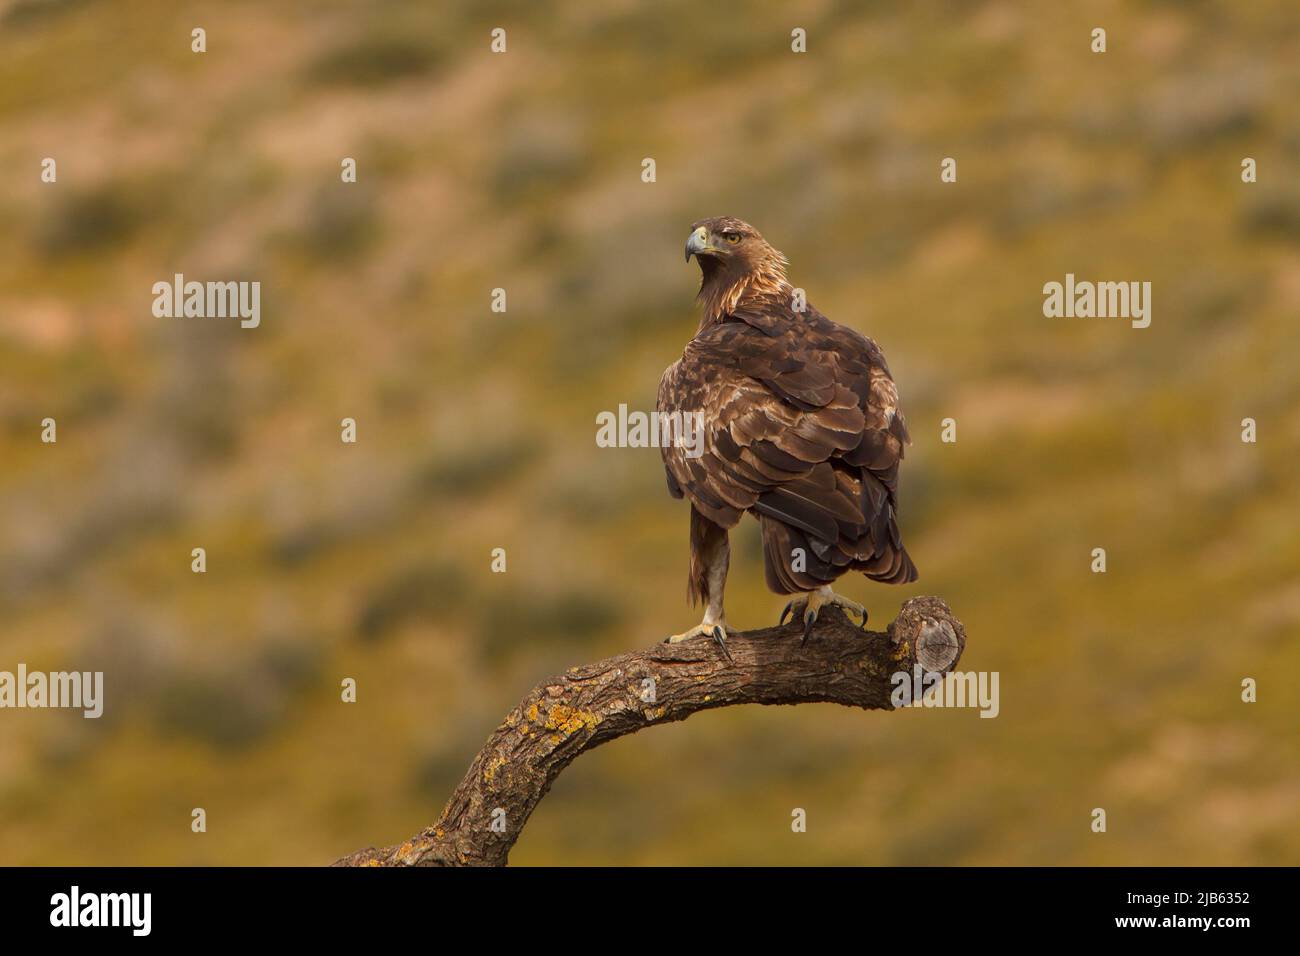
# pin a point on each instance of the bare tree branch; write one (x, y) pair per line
(585, 707)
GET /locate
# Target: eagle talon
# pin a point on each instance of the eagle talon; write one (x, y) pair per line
(720, 638)
(789, 607)
(715, 632)
(811, 604)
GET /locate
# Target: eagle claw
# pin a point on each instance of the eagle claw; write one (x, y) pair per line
(812, 602)
(789, 606)
(720, 639)
(716, 632)
(809, 617)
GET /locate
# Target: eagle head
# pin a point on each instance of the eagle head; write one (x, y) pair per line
(730, 243)
(734, 259)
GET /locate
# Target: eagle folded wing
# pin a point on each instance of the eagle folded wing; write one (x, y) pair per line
(801, 425)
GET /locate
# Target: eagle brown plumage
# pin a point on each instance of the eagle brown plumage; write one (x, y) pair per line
(801, 428)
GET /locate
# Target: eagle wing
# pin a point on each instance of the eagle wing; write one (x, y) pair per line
(801, 426)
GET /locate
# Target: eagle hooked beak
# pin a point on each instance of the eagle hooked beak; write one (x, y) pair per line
(698, 243)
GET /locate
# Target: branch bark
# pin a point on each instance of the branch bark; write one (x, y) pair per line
(567, 715)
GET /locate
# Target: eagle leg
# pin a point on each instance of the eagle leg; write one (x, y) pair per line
(710, 558)
(809, 605)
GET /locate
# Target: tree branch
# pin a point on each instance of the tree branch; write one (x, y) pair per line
(585, 707)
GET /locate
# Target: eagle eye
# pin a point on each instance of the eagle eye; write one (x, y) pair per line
(731, 237)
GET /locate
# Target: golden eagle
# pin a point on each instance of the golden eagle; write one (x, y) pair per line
(801, 427)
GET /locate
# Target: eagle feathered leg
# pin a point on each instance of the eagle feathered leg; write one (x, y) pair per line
(808, 605)
(710, 559)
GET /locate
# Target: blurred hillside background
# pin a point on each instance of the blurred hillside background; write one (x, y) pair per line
(477, 429)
